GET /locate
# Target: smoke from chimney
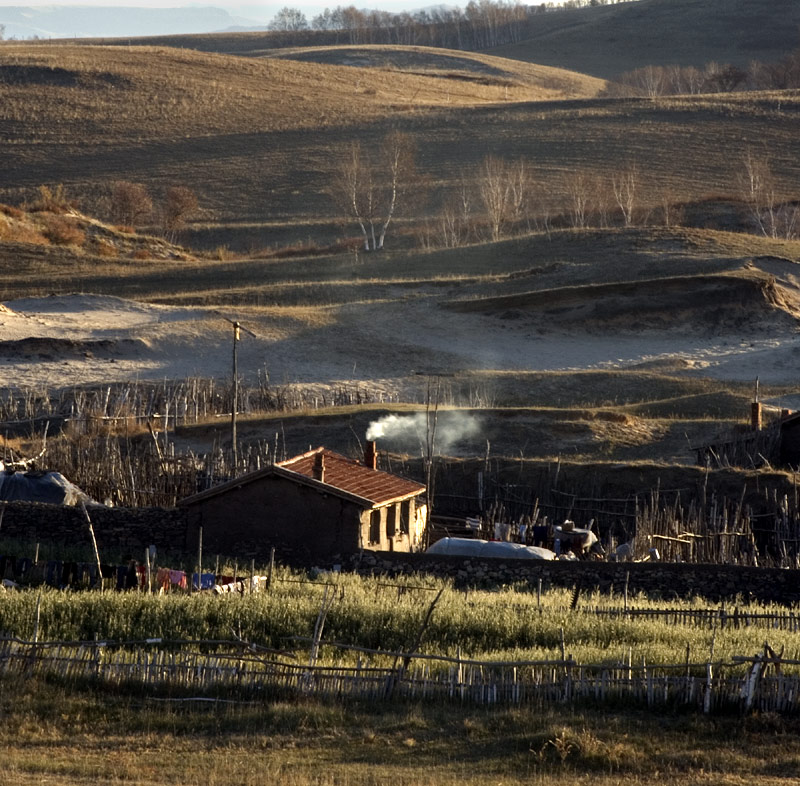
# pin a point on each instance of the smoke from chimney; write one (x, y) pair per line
(408, 432)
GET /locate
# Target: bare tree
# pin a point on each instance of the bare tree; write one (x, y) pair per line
(504, 188)
(289, 19)
(624, 185)
(454, 224)
(672, 212)
(579, 188)
(180, 203)
(131, 205)
(758, 186)
(370, 188)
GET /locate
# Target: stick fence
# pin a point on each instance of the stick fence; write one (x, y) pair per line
(707, 687)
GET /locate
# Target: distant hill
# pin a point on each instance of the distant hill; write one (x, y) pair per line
(76, 21)
(602, 41)
(605, 41)
(261, 140)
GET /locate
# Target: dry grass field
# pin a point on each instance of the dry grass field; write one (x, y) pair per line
(260, 137)
(626, 36)
(134, 741)
(260, 140)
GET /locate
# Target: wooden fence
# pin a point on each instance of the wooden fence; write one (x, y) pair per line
(699, 618)
(162, 667)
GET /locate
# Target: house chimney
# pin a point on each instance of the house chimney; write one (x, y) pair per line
(755, 416)
(371, 455)
(318, 469)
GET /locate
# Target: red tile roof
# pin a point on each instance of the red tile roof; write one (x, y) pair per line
(343, 477)
(352, 477)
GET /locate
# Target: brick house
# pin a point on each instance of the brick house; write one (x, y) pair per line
(314, 505)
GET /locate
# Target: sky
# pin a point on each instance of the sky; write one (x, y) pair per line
(244, 12)
(307, 6)
(263, 11)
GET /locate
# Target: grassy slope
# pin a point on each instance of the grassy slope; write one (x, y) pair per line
(656, 409)
(534, 262)
(608, 40)
(144, 743)
(259, 140)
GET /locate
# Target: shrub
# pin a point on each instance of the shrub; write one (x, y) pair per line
(24, 233)
(180, 204)
(11, 212)
(63, 232)
(51, 200)
(130, 203)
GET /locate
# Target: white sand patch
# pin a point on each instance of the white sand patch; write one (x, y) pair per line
(388, 347)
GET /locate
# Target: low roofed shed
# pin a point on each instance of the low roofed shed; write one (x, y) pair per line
(314, 505)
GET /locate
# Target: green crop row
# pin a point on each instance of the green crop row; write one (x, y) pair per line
(508, 624)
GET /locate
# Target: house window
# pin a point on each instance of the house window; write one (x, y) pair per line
(391, 521)
(375, 527)
(405, 517)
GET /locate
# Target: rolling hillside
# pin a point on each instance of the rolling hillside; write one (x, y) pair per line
(260, 141)
(607, 40)
(603, 41)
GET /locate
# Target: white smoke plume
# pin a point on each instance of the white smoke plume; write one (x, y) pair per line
(409, 432)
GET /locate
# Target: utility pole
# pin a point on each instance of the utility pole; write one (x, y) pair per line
(237, 328)
(235, 403)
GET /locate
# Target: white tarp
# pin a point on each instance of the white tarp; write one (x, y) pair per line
(494, 549)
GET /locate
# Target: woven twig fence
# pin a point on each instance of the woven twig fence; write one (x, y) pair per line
(156, 668)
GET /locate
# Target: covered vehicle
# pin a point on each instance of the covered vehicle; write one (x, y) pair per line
(491, 549)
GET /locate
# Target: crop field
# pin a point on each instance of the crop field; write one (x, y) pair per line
(511, 624)
(150, 737)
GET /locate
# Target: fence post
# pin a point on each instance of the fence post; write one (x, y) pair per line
(709, 683)
(199, 562)
(271, 567)
(94, 546)
(627, 579)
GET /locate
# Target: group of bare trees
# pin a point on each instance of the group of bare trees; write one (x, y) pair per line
(653, 80)
(479, 24)
(372, 186)
(369, 186)
(771, 213)
(505, 198)
(131, 205)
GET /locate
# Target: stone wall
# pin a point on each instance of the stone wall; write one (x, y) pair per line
(121, 530)
(667, 580)
(130, 530)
